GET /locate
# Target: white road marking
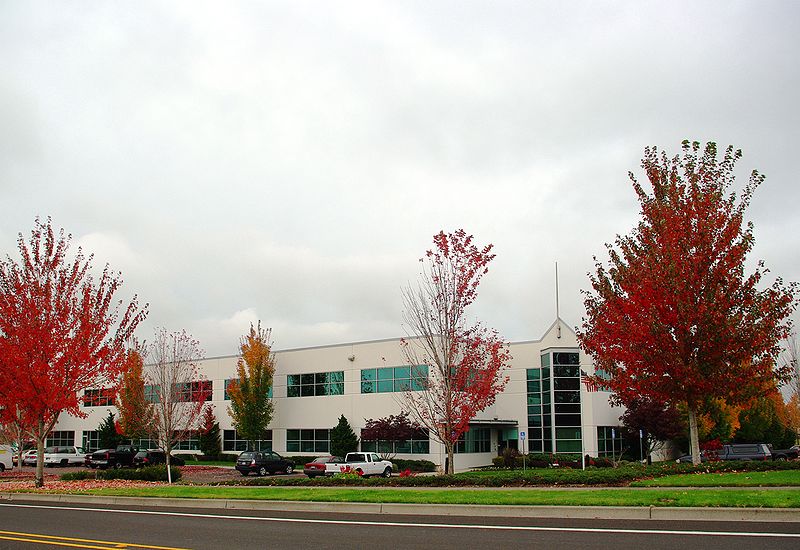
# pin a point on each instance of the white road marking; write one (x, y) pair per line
(610, 530)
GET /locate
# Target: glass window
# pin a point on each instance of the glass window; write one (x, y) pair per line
(231, 441)
(91, 441)
(307, 441)
(55, 439)
(476, 440)
(315, 384)
(565, 358)
(368, 380)
(394, 379)
(98, 398)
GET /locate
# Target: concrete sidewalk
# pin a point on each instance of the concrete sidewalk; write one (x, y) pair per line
(469, 510)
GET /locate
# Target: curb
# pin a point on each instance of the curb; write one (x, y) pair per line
(788, 515)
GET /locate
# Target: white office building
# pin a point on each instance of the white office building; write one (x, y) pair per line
(544, 407)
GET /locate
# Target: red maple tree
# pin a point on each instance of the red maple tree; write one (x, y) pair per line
(61, 330)
(674, 317)
(466, 361)
(393, 429)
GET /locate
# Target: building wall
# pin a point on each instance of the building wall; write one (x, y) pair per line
(509, 413)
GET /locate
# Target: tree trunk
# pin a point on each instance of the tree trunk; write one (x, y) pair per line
(450, 467)
(39, 462)
(168, 453)
(694, 441)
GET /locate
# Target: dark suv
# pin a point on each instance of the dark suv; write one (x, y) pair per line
(261, 462)
(155, 456)
(736, 451)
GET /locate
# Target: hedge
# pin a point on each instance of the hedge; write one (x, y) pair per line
(148, 473)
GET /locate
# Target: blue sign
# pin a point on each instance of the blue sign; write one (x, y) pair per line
(522, 435)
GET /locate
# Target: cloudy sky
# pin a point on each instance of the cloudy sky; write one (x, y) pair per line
(291, 161)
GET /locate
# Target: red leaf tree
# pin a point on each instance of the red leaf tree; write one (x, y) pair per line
(466, 361)
(393, 429)
(673, 316)
(61, 330)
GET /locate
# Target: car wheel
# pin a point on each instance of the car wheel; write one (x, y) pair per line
(262, 471)
(244, 472)
(117, 465)
(2, 467)
(387, 472)
(781, 458)
(64, 463)
(289, 469)
(311, 476)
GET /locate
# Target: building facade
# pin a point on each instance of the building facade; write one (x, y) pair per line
(545, 407)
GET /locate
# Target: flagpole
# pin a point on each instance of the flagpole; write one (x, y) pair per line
(558, 314)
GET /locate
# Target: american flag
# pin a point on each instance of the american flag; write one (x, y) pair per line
(588, 382)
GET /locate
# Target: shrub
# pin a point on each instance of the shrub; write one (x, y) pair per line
(414, 465)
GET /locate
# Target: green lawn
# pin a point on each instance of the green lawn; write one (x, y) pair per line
(605, 497)
(784, 478)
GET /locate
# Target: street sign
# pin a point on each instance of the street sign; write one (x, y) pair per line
(522, 435)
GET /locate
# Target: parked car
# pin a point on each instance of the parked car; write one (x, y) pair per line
(63, 456)
(261, 462)
(113, 458)
(152, 457)
(736, 451)
(785, 454)
(6, 462)
(323, 466)
(29, 457)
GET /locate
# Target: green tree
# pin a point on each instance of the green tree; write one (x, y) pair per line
(343, 438)
(251, 406)
(209, 433)
(762, 423)
(107, 433)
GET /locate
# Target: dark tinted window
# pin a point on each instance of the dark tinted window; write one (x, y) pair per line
(247, 456)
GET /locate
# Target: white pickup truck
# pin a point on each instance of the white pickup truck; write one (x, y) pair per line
(63, 456)
(366, 464)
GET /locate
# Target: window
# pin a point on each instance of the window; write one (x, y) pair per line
(308, 441)
(98, 398)
(231, 441)
(66, 438)
(394, 379)
(317, 384)
(227, 397)
(609, 441)
(152, 394)
(91, 441)
(191, 443)
(195, 391)
(145, 443)
(418, 444)
(476, 440)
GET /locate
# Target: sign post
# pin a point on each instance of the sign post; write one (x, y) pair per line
(522, 439)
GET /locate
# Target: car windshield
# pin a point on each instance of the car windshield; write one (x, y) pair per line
(50, 450)
(356, 457)
(246, 456)
(322, 459)
(141, 454)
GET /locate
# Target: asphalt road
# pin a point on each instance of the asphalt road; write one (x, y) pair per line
(42, 525)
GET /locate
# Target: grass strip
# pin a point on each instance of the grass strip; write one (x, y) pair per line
(783, 478)
(728, 498)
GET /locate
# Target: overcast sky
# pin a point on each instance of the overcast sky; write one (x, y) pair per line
(291, 161)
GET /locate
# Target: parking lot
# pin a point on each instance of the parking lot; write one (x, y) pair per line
(190, 473)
